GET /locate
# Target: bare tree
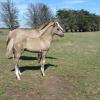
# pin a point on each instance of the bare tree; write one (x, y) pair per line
(38, 14)
(9, 14)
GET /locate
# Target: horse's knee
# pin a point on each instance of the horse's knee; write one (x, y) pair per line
(42, 62)
(39, 57)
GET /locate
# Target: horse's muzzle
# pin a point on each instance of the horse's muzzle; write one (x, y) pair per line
(62, 35)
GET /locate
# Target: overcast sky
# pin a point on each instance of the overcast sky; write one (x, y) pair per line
(91, 5)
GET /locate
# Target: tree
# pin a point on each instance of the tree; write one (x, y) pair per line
(63, 16)
(79, 20)
(68, 19)
(38, 14)
(9, 14)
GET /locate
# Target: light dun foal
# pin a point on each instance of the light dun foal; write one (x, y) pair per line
(39, 44)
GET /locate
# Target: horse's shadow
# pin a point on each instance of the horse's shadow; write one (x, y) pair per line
(33, 58)
(23, 68)
(28, 58)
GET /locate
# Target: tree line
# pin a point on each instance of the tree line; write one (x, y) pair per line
(38, 14)
(79, 20)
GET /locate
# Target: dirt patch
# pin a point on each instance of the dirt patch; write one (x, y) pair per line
(29, 94)
(51, 88)
(54, 87)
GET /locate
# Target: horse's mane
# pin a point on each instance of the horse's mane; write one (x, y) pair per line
(41, 26)
(46, 27)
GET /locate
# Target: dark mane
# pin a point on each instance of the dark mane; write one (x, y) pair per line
(43, 25)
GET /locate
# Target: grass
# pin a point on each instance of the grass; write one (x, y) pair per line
(73, 70)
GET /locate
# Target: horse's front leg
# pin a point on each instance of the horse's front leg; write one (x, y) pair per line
(43, 62)
(39, 57)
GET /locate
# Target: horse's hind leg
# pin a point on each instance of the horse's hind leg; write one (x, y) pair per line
(17, 71)
(13, 53)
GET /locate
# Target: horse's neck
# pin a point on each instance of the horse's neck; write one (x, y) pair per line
(47, 33)
(46, 28)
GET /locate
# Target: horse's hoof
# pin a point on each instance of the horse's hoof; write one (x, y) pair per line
(43, 75)
(18, 78)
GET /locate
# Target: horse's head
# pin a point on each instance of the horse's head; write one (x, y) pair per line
(57, 29)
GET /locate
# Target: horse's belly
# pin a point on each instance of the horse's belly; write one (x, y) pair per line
(36, 45)
(33, 47)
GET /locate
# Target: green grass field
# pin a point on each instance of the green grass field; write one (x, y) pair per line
(72, 70)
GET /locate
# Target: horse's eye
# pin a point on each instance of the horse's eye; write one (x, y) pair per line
(58, 29)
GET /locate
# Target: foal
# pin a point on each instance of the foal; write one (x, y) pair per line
(39, 44)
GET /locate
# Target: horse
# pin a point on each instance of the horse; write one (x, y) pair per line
(17, 33)
(39, 44)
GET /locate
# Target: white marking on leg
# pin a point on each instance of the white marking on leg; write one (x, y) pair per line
(42, 70)
(42, 67)
(17, 72)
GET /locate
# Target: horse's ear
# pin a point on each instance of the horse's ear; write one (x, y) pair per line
(55, 21)
(54, 24)
(54, 18)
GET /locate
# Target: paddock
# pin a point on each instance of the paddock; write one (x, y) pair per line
(72, 70)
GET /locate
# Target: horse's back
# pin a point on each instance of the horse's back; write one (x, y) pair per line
(27, 33)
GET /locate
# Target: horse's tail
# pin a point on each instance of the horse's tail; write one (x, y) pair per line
(9, 45)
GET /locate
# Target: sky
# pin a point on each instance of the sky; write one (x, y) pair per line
(91, 5)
